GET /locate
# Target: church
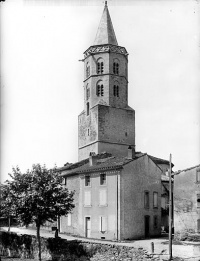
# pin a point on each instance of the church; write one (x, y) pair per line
(118, 190)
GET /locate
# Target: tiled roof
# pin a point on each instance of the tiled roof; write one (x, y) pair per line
(159, 160)
(179, 171)
(105, 161)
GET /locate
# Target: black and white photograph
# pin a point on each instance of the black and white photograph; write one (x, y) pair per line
(100, 130)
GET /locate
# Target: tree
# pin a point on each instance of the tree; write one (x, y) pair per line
(7, 209)
(39, 196)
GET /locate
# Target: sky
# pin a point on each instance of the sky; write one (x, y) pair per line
(42, 77)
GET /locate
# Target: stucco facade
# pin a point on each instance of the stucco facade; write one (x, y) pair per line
(123, 208)
(187, 200)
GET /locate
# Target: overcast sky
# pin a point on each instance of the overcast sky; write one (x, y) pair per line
(42, 79)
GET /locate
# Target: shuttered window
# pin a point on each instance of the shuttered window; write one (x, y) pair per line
(103, 224)
(155, 199)
(102, 197)
(87, 198)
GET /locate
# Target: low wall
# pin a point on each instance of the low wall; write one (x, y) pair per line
(58, 249)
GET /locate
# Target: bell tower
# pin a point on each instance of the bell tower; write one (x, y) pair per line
(107, 122)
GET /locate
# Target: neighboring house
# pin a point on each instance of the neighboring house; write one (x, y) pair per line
(187, 200)
(117, 190)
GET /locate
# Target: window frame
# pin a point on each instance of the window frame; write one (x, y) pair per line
(103, 204)
(100, 90)
(87, 108)
(198, 200)
(155, 222)
(103, 182)
(198, 175)
(90, 203)
(89, 182)
(103, 224)
(155, 202)
(116, 67)
(87, 93)
(100, 67)
(87, 70)
(146, 203)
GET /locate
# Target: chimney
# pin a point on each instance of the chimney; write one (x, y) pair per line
(92, 158)
(131, 152)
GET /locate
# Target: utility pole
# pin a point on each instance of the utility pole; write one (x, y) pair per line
(170, 207)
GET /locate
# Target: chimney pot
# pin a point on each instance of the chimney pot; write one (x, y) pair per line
(131, 152)
(92, 158)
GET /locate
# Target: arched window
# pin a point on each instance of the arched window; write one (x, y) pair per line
(87, 92)
(100, 90)
(88, 108)
(100, 66)
(87, 70)
(116, 66)
(116, 90)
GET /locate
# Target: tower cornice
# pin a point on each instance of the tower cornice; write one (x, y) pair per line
(112, 74)
(105, 48)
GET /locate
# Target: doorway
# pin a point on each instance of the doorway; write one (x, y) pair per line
(87, 227)
(146, 226)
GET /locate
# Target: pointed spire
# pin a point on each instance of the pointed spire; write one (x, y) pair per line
(105, 33)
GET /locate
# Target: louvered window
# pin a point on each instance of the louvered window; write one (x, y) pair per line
(100, 90)
(100, 67)
(116, 90)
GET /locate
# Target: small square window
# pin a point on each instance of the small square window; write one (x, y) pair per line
(102, 179)
(87, 181)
